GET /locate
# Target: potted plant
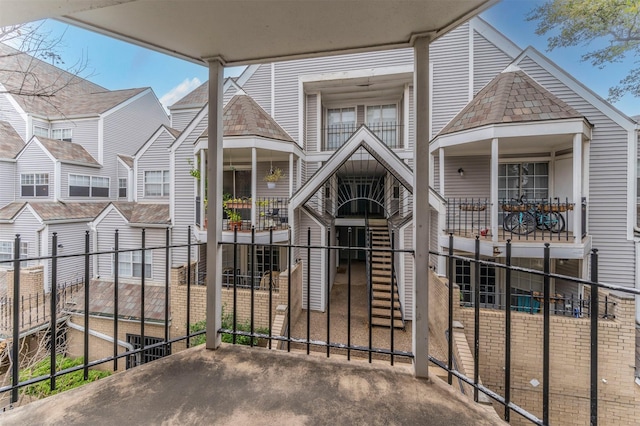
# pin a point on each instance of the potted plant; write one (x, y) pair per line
(234, 218)
(274, 175)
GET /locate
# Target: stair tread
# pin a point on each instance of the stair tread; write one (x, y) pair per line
(385, 313)
(384, 304)
(383, 296)
(385, 322)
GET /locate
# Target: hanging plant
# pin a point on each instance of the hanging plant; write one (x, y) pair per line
(274, 175)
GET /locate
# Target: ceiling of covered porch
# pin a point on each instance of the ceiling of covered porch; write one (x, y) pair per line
(243, 32)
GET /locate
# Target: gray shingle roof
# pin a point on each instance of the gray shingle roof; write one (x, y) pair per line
(52, 92)
(128, 160)
(67, 151)
(9, 211)
(197, 97)
(102, 300)
(144, 213)
(53, 210)
(10, 141)
(511, 97)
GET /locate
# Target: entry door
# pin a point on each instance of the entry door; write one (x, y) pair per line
(465, 278)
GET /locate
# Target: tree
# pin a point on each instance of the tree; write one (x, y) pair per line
(581, 22)
(23, 50)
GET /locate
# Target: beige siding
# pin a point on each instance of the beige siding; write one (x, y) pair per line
(71, 240)
(476, 182)
(311, 124)
(259, 87)
(34, 160)
(72, 169)
(7, 182)
(83, 132)
(488, 61)
(315, 266)
(155, 158)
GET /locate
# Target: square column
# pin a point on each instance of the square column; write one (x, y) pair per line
(494, 190)
(254, 185)
(577, 187)
(214, 212)
(421, 210)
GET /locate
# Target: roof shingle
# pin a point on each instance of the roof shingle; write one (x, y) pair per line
(144, 213)
(244, 117)
(511, 97)
(67, 151)
(10, 141)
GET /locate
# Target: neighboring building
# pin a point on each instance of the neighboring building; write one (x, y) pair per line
(64, 143)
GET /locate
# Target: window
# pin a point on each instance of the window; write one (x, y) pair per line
(156, 183)
(34, 185)
(530, 179)
(122, 187)
(264, 261)
(150, 354)
(61, 134)
(88, 186)
(237, 183)
(6, 251)
(341, 123)
(130, 264)
(41, 131)
(382, 120)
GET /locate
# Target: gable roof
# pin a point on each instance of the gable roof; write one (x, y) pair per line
(67, 152)
(142, 213)
(173, 133)
(46, 90)
(243, 116)
(101, 302)
(54, 210)
(10, 141)
(194, 99)
(511, 97)
(126, 159)
(10, 211)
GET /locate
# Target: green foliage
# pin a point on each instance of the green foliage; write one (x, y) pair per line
(227, 323)
(581, 22)
(274, 175)
(63, 383)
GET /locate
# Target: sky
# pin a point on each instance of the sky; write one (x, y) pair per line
(119, 65)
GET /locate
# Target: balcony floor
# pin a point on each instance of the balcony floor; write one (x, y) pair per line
(240, 385)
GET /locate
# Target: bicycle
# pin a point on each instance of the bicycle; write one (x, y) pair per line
(524, 218)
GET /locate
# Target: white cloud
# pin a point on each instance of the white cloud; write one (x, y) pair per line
(178, 92)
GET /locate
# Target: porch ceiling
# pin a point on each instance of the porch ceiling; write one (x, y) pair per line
(514, 146)
(242, 32)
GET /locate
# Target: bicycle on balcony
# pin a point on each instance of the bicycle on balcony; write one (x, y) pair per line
(525, 217)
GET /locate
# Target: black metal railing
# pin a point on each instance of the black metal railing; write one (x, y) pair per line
(271, 213)
(389, 132)
(469, 217)
(541, 219)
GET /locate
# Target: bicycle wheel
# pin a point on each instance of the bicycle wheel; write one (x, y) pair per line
(519, 223)
(554, 222)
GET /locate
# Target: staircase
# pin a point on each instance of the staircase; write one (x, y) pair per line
(381, 284)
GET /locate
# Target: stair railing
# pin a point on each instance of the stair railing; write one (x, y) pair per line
(394, 281)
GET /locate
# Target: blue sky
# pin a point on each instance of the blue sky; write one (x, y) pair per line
(118, 65)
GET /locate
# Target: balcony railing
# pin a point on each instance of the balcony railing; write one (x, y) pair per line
(321, 334)
(522, 220)
(337, 134)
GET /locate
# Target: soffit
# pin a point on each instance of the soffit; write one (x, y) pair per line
(251, 31)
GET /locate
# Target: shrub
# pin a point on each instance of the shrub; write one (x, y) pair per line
(227, 323)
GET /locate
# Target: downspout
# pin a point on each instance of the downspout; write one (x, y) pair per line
(99, 335)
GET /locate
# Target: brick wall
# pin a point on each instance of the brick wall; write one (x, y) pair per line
(618, 394)
(31, 281)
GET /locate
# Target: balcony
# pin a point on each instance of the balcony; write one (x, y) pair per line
(292, 382)
(336, 135)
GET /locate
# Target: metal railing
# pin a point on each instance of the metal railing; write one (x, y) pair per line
(271, 213)
(389, 132)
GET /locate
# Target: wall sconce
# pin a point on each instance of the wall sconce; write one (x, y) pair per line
(60, 246)
(461, 171)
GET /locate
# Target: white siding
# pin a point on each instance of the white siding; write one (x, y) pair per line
(259, 87)
(476, 182)
(282, 187)
(488, 61)
(155, 158)
(34, 160)
(315, 266)
(127, 129)
(182, 117)
(608, 174)
(7, 182)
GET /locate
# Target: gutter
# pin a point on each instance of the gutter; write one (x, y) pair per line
(99, 335)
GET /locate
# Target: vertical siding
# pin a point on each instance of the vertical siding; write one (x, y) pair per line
(608, 174)
(315, 266)
(127, 129)
(67, 169)
(128, 238)
(259, 87)
(83, 132)
(7, 179)
(9, 114)
(34, 160)
(155, 158)
(488, 61)
(450, 91)
(311, 124)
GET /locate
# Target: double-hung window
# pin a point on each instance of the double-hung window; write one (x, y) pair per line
(383, 121)
(122, 187)
(34, 185)
(61, 134)
(88, 186)
(341, 123)
(130, 264)
(6, 252)
(156, 183)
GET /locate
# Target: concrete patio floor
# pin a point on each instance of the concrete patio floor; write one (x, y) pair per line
(238, 385)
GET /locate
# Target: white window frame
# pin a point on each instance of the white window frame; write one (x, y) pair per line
(343, 134)
(35, 184)
(165, 184)
(64, 134)
(40, 131)
(121, 186)
(382, 132)
(8, 255)
(92, 185)
(126, 264)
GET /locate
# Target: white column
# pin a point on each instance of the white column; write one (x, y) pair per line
(290, 175)
(421, 210)
(441, 171)
(577, 187)
(214, 213)
(203, 185)
(494, 190)
(254, 184)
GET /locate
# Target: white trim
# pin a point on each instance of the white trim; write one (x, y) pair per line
(406, 120)
(495, 37)
(172, 188)
(126, 102)
(140, 152)
(245, 76)
(144, 183)
(360, 73)
(431, 66)
(570, 82)
(319, 115)
(34, 140)
(301, 111)
(103, 214)
(189, 129)
(74, 197)
(100, 139)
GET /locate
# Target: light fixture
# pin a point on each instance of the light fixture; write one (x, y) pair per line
(461, 171)
(60, 246)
